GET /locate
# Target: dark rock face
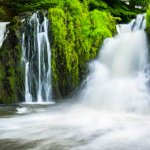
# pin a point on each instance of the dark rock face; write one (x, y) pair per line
(12, 70)
(11, 78)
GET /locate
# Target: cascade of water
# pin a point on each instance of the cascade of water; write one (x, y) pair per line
(2, 31)
(118, 80)
(117, 84)
(37, 57)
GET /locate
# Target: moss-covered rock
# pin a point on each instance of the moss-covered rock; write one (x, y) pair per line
(76, 36)
(11, 68)
(3, 14)
(148, 27)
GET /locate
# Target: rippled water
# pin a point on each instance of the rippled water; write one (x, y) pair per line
(71, 127)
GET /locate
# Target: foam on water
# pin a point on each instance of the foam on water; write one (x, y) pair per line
(78, 128)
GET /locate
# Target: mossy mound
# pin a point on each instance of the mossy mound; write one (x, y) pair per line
(76, 36)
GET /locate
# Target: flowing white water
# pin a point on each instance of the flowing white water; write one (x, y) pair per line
(118, 80)
(37, 56)
(114, 108)
(2, 31)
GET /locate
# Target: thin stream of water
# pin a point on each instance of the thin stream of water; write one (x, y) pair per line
(37, 59)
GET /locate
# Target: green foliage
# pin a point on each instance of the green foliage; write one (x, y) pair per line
(2, 14)
(19, 6)
(11, 78)
(116, 7)
(142, 3)
(148, 21)
(78, 35)
(16, 22)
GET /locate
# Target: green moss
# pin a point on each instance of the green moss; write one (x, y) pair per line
(78, 35)
(55, 71)
(2, 50)
(148, 21)
(5, 99)
(11, 79)
(3, 15)
(16, 22)
(11, 72)
(2, 74)
(18, 48)
(8, 98)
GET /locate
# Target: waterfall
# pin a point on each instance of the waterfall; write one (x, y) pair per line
(2, 31)
(118, 79)
(114, 108)
(37, 57)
